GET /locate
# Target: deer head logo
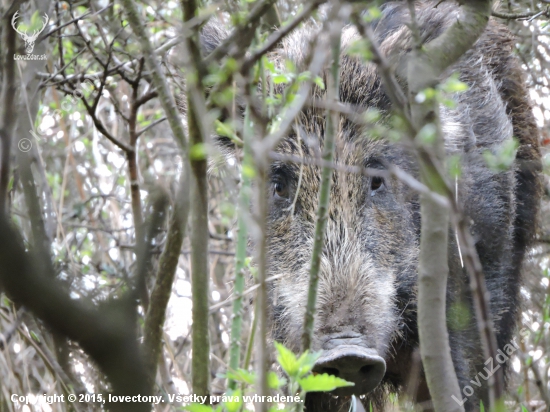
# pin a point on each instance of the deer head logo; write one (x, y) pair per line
(29, 39)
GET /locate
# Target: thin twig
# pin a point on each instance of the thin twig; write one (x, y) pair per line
(521, 16)
(237, 296)
(9, 113)
(275, 37)
(241, 36)
(240, 256)
(338, 15)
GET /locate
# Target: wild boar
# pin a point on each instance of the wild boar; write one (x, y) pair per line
(367, 297)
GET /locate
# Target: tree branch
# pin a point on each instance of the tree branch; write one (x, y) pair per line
(199, 236)
(241, 36)
(331, 132)
(168, 264)
(9, 114)
(157, 74)
(107, 333)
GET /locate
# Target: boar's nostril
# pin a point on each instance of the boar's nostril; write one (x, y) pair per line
(330, 371)
(357, 364)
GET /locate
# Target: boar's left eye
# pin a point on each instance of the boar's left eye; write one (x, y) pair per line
(376, 183)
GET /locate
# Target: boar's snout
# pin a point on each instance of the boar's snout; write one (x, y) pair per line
(354, 363)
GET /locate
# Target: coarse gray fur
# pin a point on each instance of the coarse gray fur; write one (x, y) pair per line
(368, 277)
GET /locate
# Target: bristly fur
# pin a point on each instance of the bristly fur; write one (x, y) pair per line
(368, 278)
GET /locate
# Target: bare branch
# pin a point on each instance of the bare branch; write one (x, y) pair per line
(275, 37)
(106, 333)
(157, 74)
(168, 264)
(241, 36)
(9, 114)
(338, 14)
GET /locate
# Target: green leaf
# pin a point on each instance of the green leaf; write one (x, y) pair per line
(372, 13)
(248, 171)
(322, 383)
(233, 401)
(242, 375)
(228, 210)
(197, 407)
(224, 129)
(304, 76)
(372, 115)
(35, 337)
(504, 157)
(293, 366)
(274, 381)
(306, 362)
(273, 101)
(455, 168)
(36, 21)
(287, 359)
(269, 65)
(197, 151)
(231, 65)
(281, 78)
(450, 103)
(319, 82)
(425, 95)
(361, 49)
(454, 85)
(427, 134)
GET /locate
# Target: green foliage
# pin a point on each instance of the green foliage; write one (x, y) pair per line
(197, 407)
(322, 383)
(427, 135)
(454, 166)
(372, 115)
(504, 157)
(198, 151)
(35, 337)
(274, 381)
(371, 14)
(301, 380)
(243, 376)
(35, 23)
(453, 85)
(295, 367)
(445, 93)
(234, 402)
(227, 129)
(249, 171)
(360, 48)
(426, 95)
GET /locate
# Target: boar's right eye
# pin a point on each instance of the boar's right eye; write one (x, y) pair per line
(280, 190)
